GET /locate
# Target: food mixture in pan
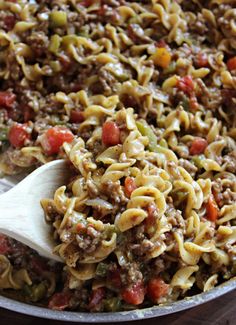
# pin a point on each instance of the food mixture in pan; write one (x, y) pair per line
(140, 98)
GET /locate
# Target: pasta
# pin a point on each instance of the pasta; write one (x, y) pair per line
(139, 97)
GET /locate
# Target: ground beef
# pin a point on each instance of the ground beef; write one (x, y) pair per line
(131, 274)
(229, 100)
(198, 25)
(224, 192)
(174, 217)
(186, 164)
(230, 162)
(39, 43)
(89, 243)
(114, 191)
(209, 97)
(107, 81)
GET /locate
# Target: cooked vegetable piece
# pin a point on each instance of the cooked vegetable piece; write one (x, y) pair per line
(115, 278)
(76, 116)
(186, 85)
(54, 137)
(135, 294)
(145, 130)
(201, 60)
(7, 99)
(130, 186)
(18, 134)
(3, 134)
(198, 146)
(102, 269)
(4, 245)
(110, 134)
(231, 64)
(197, 160)
(59, 301)
(54, 45)
(161, 57)
(112, 304)
(150, 221)
(58, 18)
(212, 211)
(156, 288)
(96, 297)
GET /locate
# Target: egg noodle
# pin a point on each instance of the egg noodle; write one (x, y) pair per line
(140, 98)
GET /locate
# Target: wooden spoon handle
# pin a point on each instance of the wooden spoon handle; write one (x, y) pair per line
(12, 214)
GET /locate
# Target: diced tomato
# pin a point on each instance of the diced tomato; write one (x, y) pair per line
(186, 85)
(193, 104)
(156, 289)
(7, 99)
(4, 245)
(86, 3)
(135, 294)
(150, 221)
(110, 134)
(28, 113)
(161, 43)
(212, 210)
(76, 116)
(59, 301)
(65, 62)
(9, 22)
(18, 134)
(80, 227)
(38, 265)
(198, 146)
(231, 63)
(115, 278)
(217, 197)
(201, 60)
(102, 10)
(54, 137)
(96, 297)
(130, 186)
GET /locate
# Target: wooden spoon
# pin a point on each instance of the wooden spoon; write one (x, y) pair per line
(21, 215)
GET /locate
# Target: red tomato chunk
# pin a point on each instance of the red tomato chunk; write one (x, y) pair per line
(9, 22)
(201, 60)
(18, 134)
(135, 294)
(130, 186)
(80, 227)
(150, 221)
(39, 265)
(7, 99)
(96, 297)
(76, 116)
(59, 301)
(156, 289)
(198, 146)
(193, 104)
(212, 211)
(4, 245)
(115, 278)
(53, 139)
(28, 113)
(186, 85)
(110, 134)
(231, 63)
